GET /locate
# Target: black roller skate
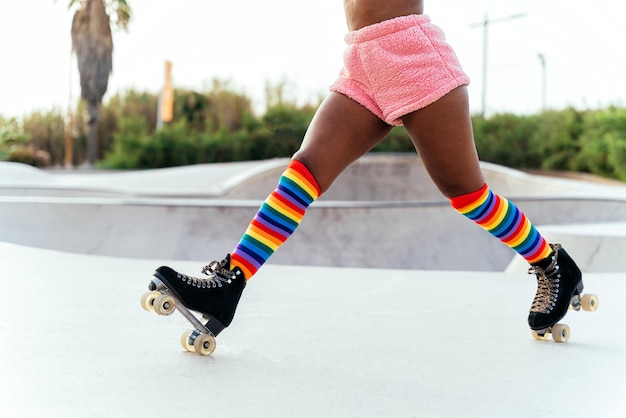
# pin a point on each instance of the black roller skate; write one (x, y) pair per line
(214, 297)
(559, 288)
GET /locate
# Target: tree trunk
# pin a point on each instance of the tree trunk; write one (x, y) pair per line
(93, 43)
(92, 138)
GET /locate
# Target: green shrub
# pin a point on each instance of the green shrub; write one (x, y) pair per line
(29, 155)
(223, 146)
(602, 143)
(174, 145)
(46, 131)
(218, 126)
(506, 139)
(556, 139)
(128, 148)
(616, 158)
(12, 135)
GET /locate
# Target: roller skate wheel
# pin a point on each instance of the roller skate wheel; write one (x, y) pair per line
(204, 344)
(164, 305)
(540, 337)
(147, 300)
(589, 302)
(560, 333)
(184, 342)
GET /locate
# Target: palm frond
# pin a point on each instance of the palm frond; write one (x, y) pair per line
(123, 13)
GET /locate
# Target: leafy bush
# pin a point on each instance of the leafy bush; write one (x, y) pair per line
(128, 144)
(46, 132)
(506, 139)
(29, 155)
(218, 126)
(174, 145)
(12, 135)
(222, 146)
(603, 143)
(556, 138)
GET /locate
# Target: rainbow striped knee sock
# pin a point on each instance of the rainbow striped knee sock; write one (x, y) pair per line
(277, 219)
(504, 221)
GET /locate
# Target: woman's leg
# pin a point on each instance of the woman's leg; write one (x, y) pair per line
(341, 131)
(443, 137)
(442, 134)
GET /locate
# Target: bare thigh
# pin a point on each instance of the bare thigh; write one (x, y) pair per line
(341, 132)
(443, 137)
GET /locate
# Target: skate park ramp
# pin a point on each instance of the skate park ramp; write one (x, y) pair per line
(306, 342)
(384, 303)
(382, 212)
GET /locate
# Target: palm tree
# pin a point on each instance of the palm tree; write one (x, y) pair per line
(93, 43)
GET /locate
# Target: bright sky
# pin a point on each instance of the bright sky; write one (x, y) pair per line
(249, 42)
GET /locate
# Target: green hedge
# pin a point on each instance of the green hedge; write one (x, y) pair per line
(592, 141)
(220, 126)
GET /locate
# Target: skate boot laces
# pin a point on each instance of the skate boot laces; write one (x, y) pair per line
(217, 274)
(548, 283)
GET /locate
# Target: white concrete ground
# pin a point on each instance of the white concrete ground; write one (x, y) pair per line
(308, 340)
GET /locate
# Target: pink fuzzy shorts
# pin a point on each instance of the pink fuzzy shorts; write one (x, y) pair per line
(398, 66)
